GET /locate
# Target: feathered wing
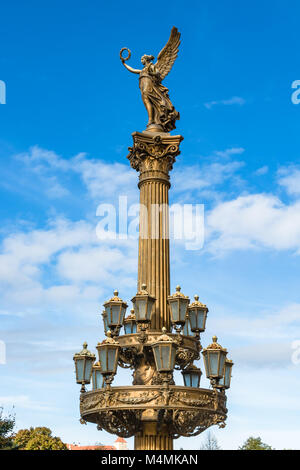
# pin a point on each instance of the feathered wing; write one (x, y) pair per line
(168, 54)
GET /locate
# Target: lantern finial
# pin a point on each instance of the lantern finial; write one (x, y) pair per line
(85, 351)
(215, 344)
(109, 339)
(164, 336)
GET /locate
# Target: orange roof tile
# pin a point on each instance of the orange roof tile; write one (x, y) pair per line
(74, 447)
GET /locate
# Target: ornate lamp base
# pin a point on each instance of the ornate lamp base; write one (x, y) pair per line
(155, 415)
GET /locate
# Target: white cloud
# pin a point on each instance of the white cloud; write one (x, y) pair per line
(229, 152)
(24, 401)
(38, 246)
(93, 264)
(102, 180)
(79, 265)
(265, 339)
(106, 180)
(289, 178)
(231, 101)
(261, 339)
(247, 222)
(252, 222)
(198, 178)
(267, 355)
(262, 171)
(56, 190)
(37, 157)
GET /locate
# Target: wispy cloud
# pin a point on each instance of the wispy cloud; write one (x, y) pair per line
(227, 153)
(254, 221)
(235, 100)
(262, 171)
(207, 177)
(24, 401)
(289, 178)
(52, 174)
(81, 266)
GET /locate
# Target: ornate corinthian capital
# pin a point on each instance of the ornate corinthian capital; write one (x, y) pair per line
(153, 155)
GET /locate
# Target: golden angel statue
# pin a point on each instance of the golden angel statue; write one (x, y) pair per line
(161, 112)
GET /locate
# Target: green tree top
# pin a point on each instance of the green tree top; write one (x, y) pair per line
(39, 438)
(255, 443)
(7, 424)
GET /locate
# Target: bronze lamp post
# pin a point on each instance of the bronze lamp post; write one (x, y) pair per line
(154, 409)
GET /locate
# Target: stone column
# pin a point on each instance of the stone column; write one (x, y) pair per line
(153, 156)
(149, 439)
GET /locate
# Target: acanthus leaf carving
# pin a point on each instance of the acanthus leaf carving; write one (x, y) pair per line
(150, 153)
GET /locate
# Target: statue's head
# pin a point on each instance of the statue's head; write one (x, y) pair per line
(146, 59)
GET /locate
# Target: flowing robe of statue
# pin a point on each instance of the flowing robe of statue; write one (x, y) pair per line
(161, 112)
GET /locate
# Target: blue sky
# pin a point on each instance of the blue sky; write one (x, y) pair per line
(64, 132)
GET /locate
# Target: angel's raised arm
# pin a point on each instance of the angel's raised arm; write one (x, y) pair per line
(124, 59)
(130, 68)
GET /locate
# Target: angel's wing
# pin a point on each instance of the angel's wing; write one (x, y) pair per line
(168, 54)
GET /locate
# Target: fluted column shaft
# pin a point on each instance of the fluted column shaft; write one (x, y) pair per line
(149, 439)
(154, 260)
(153, 155)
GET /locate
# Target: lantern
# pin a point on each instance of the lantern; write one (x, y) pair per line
(225, 381)
(143, 304)
(83, 365)
(178, 307)
(187, 327)
(130, 323)
(97, 377)
(164, 352)
(108, 352)
(197, 315)
(214, 359)
(105, 323)
(191, 376)
(115, 310)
